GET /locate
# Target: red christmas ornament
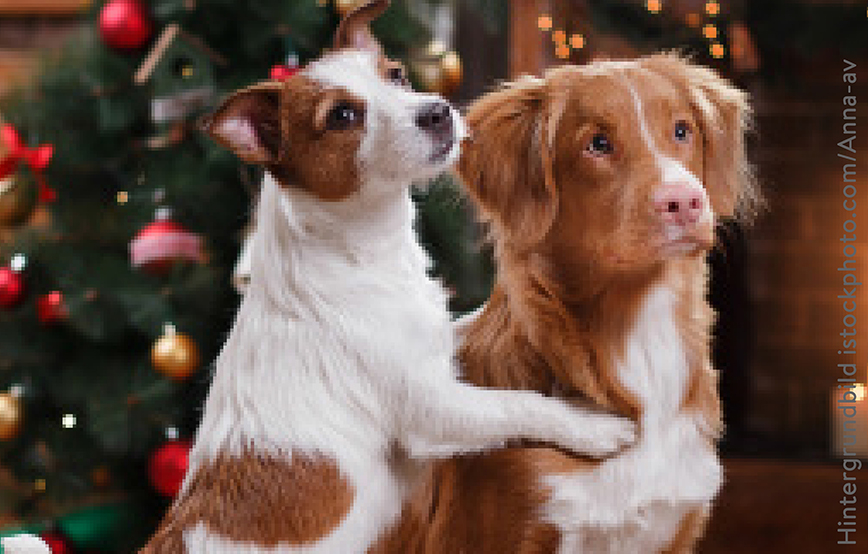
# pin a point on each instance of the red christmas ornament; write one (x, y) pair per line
(125, 24)
(56, 543)
(283, 72)
(167, 467)
(162, 243)
(51, 308)
(11, 287)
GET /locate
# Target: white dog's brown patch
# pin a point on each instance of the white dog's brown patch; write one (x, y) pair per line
(284, 502)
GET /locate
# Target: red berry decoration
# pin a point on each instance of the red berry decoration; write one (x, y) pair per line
(167, 467)
(56, 543)
(283, 72)
(11, 287)
(51, 308)
(125, 24)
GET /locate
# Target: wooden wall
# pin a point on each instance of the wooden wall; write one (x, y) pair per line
(29, 26)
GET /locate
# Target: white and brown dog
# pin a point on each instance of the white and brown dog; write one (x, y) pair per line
(602, 185)
(341, 356)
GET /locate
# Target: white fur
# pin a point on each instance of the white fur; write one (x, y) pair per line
(635, 501)
(343, 346)
(24, 544)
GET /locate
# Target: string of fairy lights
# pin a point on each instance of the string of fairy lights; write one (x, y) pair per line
(565, 44)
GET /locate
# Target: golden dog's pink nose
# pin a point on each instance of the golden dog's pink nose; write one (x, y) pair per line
(681, 204)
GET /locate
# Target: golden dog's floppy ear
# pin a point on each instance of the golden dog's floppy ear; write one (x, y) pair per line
(508, 167)
(248, 123)
(354, 30)
(725, 117)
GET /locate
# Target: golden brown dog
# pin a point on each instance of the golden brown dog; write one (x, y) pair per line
(602, 186)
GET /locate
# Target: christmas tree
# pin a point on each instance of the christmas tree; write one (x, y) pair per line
(116, 293)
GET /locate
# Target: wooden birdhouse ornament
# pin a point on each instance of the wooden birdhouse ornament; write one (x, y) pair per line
(180, 71)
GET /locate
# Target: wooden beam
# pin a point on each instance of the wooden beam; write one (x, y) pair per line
(15, 66)
(526, 52)
(43, 7)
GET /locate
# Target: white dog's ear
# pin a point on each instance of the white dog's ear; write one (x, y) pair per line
(248, 123)
(354, 30)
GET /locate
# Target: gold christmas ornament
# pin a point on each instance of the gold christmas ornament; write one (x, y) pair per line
(343, 7)
(18, 198)
(450, 78)
(440, 70)
(175, 355)
(11, 415)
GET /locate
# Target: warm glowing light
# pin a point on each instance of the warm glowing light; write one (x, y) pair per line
(39, 485)
(68, 421)
(859, 390)
(577, 41)
(559, 36)
(18, 263)
(709, 31)
(544, 22)
(436, 49)
(562, 51)
(712, 8)
(123, 197)
(654, 6)
(694, 19)
(717, 50)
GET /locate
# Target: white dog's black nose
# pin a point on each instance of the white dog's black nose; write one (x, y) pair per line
(436, 118)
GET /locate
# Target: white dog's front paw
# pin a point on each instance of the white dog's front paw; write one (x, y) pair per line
(604, 435)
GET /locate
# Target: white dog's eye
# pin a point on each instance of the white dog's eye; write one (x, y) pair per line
(343, 116)
(682, 131)
(397, 76)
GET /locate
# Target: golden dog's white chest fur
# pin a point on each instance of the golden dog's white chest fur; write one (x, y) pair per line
(635, 502)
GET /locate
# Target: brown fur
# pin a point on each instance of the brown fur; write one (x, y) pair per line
(293, 142)
(285, 502)
(289, 120)
(692, 528)
(354, 30)
(577, 244)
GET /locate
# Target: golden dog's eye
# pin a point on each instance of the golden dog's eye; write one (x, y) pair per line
(682, 131)
(343, 116)
(600, 145)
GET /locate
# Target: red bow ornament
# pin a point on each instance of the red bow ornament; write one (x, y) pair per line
(37, 158)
